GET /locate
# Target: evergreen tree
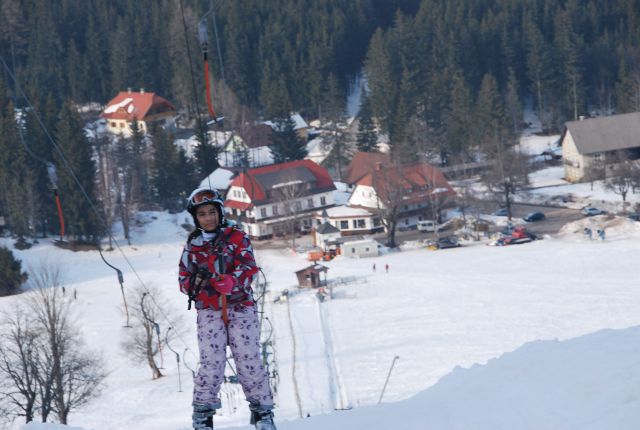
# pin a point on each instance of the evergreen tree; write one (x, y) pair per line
(81, 219)
(513, 105)
(45, 219)
(173, 172)
(459, 119)
(11, 274)
(381, 82)
(141, 189)
(367, 138)
(286, 145)
(624, 90)
(13, 183)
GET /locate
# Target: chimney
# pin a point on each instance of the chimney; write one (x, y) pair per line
(141, 90)
(129, 90)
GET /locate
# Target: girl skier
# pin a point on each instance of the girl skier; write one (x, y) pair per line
(216, 271)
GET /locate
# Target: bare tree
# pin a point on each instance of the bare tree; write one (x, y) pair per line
(624, 176)
(70, 376)
(18, 365)
(288, 194)
(144, 340)
(43, 364)
(509, 173)
(391, 193)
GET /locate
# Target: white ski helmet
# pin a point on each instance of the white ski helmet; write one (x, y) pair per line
(205, 196)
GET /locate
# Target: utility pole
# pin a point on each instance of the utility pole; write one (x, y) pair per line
(387, 380)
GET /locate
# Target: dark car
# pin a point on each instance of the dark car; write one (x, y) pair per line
(534, 216)
(447, 242)
(501, 212)
(634, 216)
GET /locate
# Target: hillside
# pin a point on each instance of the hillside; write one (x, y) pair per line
(475, 329)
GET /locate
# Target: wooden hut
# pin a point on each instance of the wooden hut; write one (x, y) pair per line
(309, 277)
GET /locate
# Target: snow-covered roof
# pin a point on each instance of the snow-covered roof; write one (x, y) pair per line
(300, 123)
(346, 211)
(219, 179)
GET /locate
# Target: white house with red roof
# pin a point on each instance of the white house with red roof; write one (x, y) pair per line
(269, 200)
(418, 191)
(143, 107)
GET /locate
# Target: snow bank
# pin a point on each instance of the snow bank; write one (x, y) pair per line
(587, 383)
(615, 227)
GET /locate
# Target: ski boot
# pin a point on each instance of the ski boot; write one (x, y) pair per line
(262, 417)
(202, 417)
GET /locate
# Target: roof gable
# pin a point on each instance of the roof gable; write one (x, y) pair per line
(364, 162)
(128, 105)
(604, 134)
(326, 228)
(414, 182)
(258, 181)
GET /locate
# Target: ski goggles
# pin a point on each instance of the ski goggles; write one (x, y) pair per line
(206, 196)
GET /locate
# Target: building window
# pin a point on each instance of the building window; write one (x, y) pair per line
(263, 212)
(122, 125)
(274, 209)
(353, 250)
(376, 222)
(323, 201)
(344, 225)
(366, 249)
(354, 224)
(113, 124)
(360, 223)
(309, 203)
(298, 205)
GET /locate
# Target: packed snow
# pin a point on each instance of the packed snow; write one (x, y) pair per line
(537, 336)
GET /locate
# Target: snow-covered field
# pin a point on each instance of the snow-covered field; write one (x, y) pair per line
(539, 336)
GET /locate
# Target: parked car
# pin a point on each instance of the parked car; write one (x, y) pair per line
(634, 216)
(591, 211)
(534, 216)
(444, 243)
(428, 225)
(501, 212)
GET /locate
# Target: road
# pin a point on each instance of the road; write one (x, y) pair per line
(555, 219)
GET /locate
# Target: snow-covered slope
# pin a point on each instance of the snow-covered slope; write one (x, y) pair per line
(487, 337)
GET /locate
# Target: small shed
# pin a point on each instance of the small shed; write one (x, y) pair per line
(360, 248)
(309, 277)
(324, 234)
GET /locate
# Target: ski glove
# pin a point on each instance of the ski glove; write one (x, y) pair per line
(223, 284)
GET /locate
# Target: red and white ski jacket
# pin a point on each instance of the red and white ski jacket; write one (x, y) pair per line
(229, 253)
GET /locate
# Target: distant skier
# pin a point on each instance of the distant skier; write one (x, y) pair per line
(386, 268)
(216, 271)
(601, 233)
(588, 233)
(374, 267)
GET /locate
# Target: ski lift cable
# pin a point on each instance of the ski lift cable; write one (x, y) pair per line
(90, 201)
(203, 134)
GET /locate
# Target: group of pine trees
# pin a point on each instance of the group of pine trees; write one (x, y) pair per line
(444, 76)
(272, 51)
(98, 179)
(439, 67)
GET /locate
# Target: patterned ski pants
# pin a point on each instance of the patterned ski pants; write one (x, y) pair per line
(244, 339)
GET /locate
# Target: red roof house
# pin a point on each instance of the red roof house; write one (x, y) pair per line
(264, 198)
(129, 106)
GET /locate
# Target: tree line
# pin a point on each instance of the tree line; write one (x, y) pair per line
(282, 49)
(565, 58)
(98, 179)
